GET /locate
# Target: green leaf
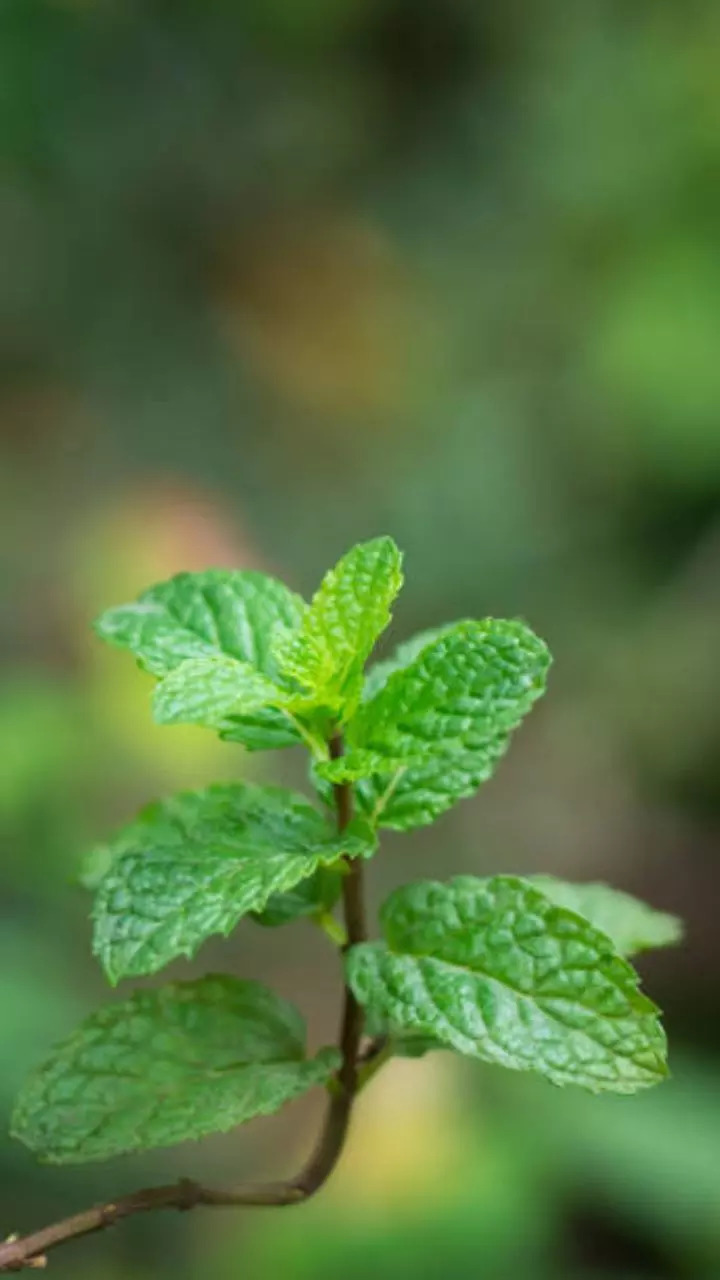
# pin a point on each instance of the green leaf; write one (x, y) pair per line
(193, 865)
(217, 613)
(165, 1066)
(263, 730)
(447, 717)
(630, 924)
(492, 969)
(378, 674)
(354, 765)
(208, 690)
(326, 655)
(201, 615)
(311, 897)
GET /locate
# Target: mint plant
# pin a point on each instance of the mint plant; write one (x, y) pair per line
(529, 973)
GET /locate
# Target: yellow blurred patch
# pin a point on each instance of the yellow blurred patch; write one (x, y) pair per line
(406, 1138)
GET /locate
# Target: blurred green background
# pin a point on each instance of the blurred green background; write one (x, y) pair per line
(281, 274)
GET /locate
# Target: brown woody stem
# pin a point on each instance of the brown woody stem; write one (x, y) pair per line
(30, 1251)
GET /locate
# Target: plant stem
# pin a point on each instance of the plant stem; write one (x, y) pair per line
(29, 1251)
(332, 1139)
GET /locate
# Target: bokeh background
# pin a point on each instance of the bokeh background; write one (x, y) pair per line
(281, 274)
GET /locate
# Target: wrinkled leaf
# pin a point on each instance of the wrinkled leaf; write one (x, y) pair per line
(165, 1066)
(194, 865)
(447, 716)
(378, 674)
(207, 691)
(492, 969)
(355, 765)
(216, 613)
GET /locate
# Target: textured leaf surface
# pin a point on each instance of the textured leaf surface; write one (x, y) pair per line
(165, 1066)
(630, 924)
(355, 765)
(492, 969)
(447, 716)
(263, 730)
(193, 865)
(326, 655)
(207, 691)
(220, 612)
(199, 615)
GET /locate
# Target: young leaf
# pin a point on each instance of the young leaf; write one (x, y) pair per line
(629, 923)
(193, 865)
(208, 690)
(355, 765)
(214, 614)
(492, 969)
(326, 655)
(443, 721)
(165, 1066)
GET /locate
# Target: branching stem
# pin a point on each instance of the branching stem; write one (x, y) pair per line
(30, 1251)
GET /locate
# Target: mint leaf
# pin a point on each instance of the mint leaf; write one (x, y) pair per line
(630, 924)
(311, 897)
(355, 765)
(165, 1066)
(443, 721)
(326, 654)
(378, 674)
(201, 615)
(209, 690)
(193, 865)
(263, 730)
(494, 970)
(208, 615)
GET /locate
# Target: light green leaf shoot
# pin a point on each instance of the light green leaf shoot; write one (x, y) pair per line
(326, 654)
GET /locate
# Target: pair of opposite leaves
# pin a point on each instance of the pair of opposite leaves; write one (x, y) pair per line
(507, 970)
